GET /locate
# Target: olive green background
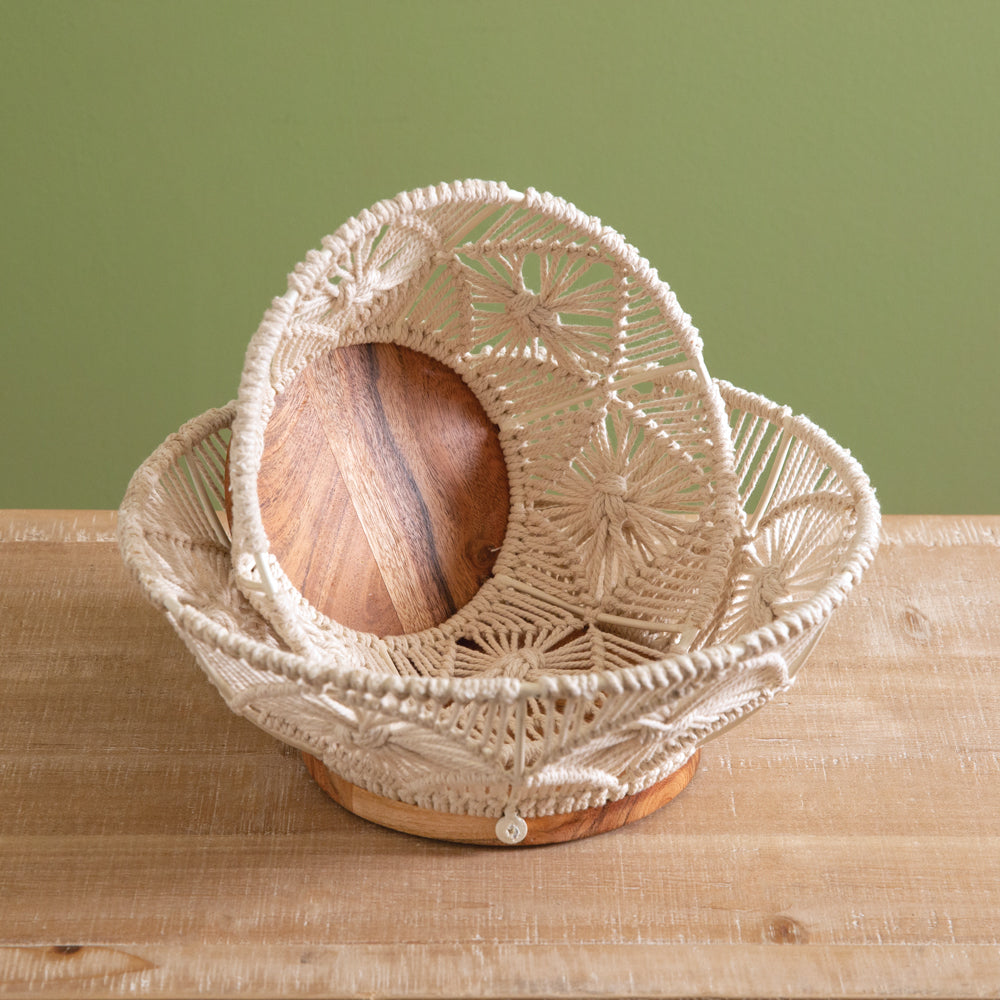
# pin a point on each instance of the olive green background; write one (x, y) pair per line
(818, 183)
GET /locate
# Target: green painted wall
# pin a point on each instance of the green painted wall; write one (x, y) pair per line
(818, 182)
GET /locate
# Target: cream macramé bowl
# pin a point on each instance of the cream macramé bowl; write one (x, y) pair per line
(612, 717)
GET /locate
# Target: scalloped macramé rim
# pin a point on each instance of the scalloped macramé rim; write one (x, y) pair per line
(318, 673)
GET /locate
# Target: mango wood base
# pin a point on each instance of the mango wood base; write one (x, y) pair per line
(553, 829)
(383, 488)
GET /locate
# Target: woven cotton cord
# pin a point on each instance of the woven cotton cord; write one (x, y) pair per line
(398, 272)
(134, 527)
(511, 827)
(232, 656)
(525, 222)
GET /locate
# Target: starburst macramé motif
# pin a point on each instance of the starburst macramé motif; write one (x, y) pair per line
(572, 318)
(348, 276)
(790, 559)
(625, 504)
(562, 649)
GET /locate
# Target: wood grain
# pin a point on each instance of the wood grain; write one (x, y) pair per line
(843, 842)
(383, 488)
(555, 829)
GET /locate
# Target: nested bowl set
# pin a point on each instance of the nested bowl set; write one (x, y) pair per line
(482, 537)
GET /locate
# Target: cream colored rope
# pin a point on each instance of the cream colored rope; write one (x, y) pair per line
(675, 546)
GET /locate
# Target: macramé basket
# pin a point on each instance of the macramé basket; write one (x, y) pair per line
(622, 502)
(525, 704)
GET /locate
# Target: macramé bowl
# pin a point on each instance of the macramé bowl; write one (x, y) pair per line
(515, 729)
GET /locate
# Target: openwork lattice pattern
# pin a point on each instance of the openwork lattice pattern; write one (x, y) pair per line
(673, 550)
(538, 713)
(623, 515)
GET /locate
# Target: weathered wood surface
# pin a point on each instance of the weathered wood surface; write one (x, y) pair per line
(843, 842)
(383, 488)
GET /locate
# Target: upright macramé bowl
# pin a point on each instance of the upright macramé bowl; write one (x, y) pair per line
(623, 510)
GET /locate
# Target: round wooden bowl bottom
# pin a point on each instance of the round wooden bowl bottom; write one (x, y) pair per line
(554, 829)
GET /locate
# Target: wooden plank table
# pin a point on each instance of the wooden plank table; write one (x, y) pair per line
(843, 842)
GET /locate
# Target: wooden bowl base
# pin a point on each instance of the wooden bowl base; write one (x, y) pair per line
(383, 488)
(553, 829)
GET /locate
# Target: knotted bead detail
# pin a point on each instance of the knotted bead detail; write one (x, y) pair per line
(520, 663)
(522, 304)
(609, 506)
(769, 587)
